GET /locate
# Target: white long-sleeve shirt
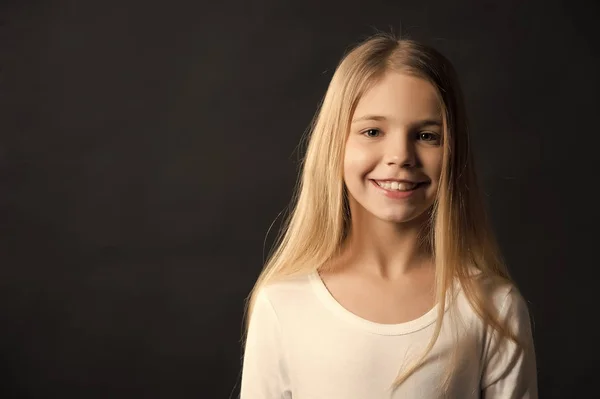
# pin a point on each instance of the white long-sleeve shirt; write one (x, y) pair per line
(303, 344)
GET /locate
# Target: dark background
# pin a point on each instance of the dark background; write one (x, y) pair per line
(146, 148)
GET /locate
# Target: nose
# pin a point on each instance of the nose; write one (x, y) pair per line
(400, 152)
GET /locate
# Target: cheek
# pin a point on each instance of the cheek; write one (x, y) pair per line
(357, 162)
(436, 173)
(434, 165)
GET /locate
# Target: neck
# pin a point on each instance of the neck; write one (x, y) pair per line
(386, 249)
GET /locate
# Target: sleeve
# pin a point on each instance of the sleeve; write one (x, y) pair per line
(508, 372)
(264, 371)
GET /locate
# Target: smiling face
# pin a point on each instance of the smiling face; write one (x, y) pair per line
(395, 134)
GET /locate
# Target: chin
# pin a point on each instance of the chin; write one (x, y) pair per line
(398, 217)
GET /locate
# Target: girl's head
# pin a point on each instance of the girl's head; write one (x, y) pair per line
(393, 111)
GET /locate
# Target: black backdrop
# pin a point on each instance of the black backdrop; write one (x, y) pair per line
(146, 148)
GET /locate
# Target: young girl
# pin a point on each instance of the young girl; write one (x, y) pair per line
(387, 282)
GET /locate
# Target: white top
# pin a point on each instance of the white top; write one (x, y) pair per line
(303, 344)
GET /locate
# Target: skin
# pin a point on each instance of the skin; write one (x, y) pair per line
(383, 274)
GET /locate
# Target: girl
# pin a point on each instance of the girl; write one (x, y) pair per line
(387, 282)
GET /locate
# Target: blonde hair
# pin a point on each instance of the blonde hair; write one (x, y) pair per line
(458, 231)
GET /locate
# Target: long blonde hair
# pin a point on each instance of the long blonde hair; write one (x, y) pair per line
(458, 231)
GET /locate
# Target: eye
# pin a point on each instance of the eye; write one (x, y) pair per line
(371, 132)
(429, 136)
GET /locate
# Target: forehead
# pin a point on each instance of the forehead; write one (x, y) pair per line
(400, 97)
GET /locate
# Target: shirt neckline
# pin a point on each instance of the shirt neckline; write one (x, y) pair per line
(334, 306)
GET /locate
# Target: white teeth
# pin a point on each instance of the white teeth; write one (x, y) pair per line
(399, 186)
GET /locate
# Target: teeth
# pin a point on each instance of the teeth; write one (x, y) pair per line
(397, 186)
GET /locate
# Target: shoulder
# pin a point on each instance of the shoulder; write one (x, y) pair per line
(499, 293)
(497, 297)
(273, 305)
(505, 297)
(286, 294)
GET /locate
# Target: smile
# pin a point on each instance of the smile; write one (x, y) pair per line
(397, 186)
(397, 190)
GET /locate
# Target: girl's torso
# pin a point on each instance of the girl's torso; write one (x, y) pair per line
(337, 347)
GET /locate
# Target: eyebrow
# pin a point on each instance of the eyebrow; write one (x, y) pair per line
(424, 122)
